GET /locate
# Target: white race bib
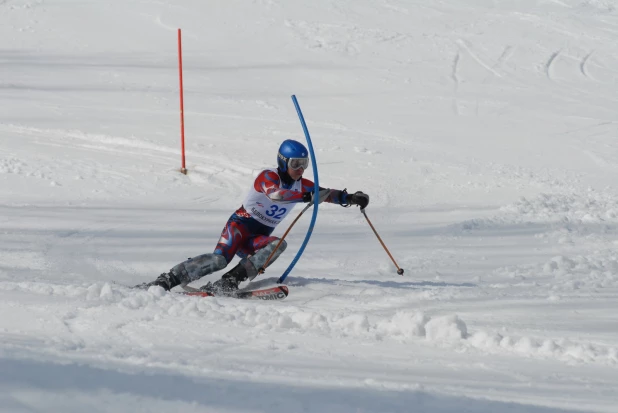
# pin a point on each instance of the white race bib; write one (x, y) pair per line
(261, 208)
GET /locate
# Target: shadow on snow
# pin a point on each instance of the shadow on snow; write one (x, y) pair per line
(301, 281)
(42, 380)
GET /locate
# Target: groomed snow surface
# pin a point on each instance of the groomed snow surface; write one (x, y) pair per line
(484, 132)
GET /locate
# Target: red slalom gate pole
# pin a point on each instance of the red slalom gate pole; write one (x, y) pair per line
(183, 168)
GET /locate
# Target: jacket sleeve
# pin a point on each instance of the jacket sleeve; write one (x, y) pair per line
(268, 182)
(336, 196)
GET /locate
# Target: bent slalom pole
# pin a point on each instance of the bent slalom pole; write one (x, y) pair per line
(399, 270)
(316, 189)
(263, 268)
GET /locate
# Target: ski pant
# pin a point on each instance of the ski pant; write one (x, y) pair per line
(242, 236)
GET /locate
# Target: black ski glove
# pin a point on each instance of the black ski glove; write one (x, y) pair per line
(359, 198)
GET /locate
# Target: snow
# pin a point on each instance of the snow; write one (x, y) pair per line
(484, 132)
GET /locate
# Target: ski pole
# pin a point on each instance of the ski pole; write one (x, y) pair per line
(399, 270)
(263, 268)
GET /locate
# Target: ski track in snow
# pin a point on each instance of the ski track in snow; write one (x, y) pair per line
(548, 65)
(582, 66)
(123, 146)
(490, 69)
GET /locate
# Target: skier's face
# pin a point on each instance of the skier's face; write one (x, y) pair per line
(296, 174)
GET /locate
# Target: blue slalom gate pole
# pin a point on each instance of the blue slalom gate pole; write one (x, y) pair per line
(316, 189)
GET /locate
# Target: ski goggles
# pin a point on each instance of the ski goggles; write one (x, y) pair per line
(297, 163)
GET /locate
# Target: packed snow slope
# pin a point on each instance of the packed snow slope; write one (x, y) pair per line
(484, 132)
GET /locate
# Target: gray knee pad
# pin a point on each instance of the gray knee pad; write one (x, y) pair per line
(197, 267)
(257, 260)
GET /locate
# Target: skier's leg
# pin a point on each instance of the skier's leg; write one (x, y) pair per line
(233, 237)
(195, 268)
(231, 240)
(188, 271)
(260, 247)
(263, 247)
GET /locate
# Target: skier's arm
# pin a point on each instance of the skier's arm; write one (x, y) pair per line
(268, 183)
(333, 196)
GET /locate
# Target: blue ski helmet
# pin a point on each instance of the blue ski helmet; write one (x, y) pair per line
(292, 150)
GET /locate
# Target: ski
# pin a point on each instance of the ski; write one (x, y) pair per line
(267, 294)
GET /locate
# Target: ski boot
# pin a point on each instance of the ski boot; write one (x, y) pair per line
(228, 284)
(167, 281)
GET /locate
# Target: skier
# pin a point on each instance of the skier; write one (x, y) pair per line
(247, 232)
